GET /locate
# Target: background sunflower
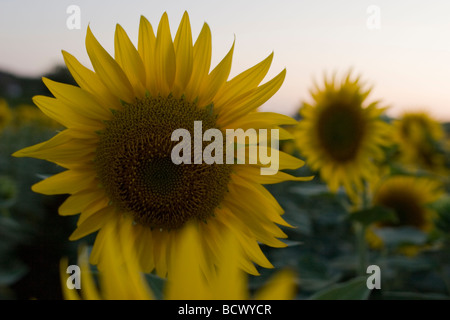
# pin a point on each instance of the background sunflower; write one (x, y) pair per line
(410, 199)
(5, 114)
(420, 141)
(341, 136)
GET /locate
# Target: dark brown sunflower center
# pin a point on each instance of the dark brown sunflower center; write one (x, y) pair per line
(408, 211)
(134, 164)
(340, 131)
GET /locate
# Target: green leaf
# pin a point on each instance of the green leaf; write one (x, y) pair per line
(413, 296)
(355, 289)
(156, 285)
(375, 214)
(316, 273)
(396, 236)
(11, 271)
(442, 207)
(311, 189)
(291, 243)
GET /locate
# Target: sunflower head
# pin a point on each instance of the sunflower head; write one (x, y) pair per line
(340, 135)
(418, 137)
(144, 181)
(118, 143)
(409, 197)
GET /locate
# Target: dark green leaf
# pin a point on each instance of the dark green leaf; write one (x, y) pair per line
(413, 296)
(156, 284)
(11, 271)
(355, 289)
(375, 214)
(397, 236)
(316, 273)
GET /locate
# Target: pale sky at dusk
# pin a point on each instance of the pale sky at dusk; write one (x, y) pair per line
(406, 60)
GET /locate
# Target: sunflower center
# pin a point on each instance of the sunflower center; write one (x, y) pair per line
(134, 164)
(340, 131)
(408, 211)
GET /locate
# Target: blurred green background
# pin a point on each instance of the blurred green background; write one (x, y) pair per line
(321, 249)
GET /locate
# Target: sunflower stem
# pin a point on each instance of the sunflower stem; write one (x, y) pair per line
(362, 248)
(360, 230)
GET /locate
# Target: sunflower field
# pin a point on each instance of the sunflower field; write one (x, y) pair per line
(358, 209)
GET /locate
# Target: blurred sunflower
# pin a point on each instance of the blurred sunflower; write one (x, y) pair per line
(5, 114)
(409, 198)
(340, 136)
(26, 114)
(123, 280)
(117, 146)
(419, 137)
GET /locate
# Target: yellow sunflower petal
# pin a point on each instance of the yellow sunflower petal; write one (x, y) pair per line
(216, 79)
(281, 286)
(160, 251)
(135, 280)
(146, 49)
(97, 249)
(281, 162)
(262, 230)
(89, 81)
(92, 208)
(144, 248)
(183, 278)
(108, 69)
(89, 288)
(129, 59)
(184, 55)
(78, 100)
(244, 235)
(241, 106)
(262, 208)
(77, 202)
(63, 114)
(201, 63)
(232, 273)
(92, 224)
(253, 173)
(165, 60)
(57, 149)
(263, 120)
(243, 82)
(64, 182)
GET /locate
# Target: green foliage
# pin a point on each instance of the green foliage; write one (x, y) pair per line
(33, 238)
(399, 236)
(156, 284)
(366, 217)
(326, 256)
(322, 248)
(355, 289)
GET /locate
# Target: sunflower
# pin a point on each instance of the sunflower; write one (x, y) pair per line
(419, 137)
(409, 197)
(123, 279)
(341, 137)
(117, 146)
(26, 114)
(5, 114)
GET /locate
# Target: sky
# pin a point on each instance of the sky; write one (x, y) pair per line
(399, 48)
